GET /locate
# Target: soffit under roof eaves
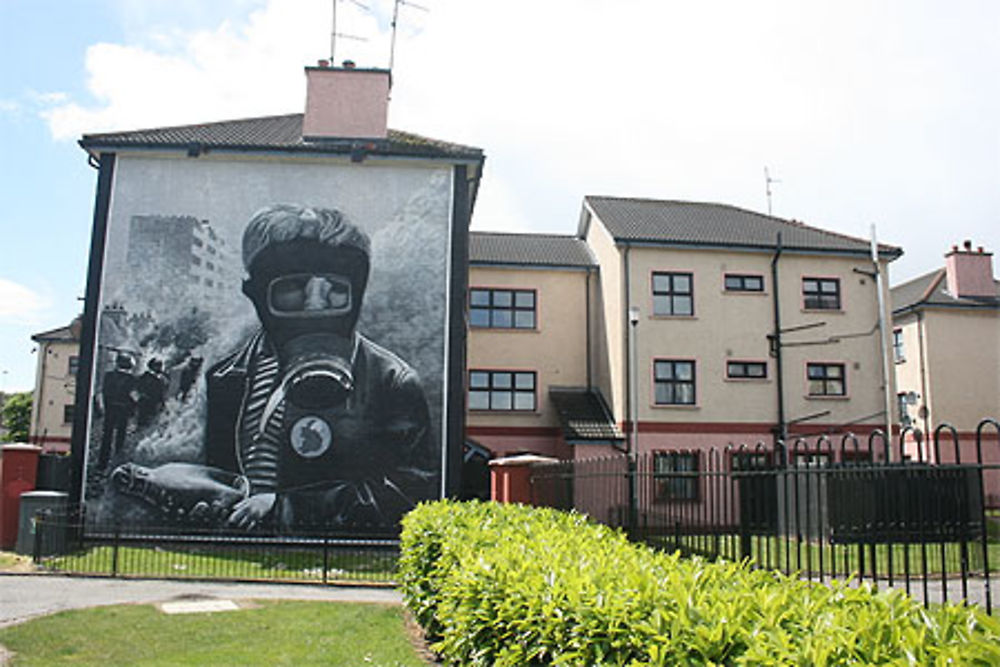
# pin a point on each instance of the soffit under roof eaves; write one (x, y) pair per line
(173, 151)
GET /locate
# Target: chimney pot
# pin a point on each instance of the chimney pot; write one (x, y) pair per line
(323, 63)
(349, 64)
(968, 244)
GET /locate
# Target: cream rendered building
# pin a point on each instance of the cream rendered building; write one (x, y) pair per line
(54, 397)
(946, 344)
(709, 369)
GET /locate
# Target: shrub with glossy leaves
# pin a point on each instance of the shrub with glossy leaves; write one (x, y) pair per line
(512, 585)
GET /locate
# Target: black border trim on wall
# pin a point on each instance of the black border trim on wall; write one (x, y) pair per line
(88, 333)
(461, 215)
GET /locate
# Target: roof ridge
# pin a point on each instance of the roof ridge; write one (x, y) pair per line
(187, 126)
(932, 287)
(530, 234)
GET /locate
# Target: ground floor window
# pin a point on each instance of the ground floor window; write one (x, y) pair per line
(676, 475)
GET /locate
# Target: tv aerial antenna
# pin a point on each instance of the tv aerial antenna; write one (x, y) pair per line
(395, 21)
(333, 30)
(767, 186)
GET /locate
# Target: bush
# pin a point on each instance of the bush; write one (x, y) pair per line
(514, 585)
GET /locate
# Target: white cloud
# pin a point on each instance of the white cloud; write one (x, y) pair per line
(233, 70)
(867, 112)
(20, 304)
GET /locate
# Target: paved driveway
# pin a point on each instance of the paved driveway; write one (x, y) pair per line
(26, 596)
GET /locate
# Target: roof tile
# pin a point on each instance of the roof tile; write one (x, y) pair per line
(696, 223)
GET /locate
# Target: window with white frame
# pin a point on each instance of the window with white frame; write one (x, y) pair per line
(673, 294)
(898, 352)
(502, 308)
(674, 382)
(821, 293)
(503, 391)
(825, 379)
(676, 475)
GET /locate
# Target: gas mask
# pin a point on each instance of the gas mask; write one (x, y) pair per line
(309, 311)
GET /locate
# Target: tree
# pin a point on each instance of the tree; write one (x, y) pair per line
(16, 413)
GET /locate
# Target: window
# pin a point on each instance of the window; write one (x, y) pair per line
(502, 308)
(674, 382)
(673, 294)
(746, 370)
(811, 459)
(196, 260)
(74, 365)
(898, 354)
(821, 293)
(903, 404)
(736, 282)
(676, 475)
(826, 379)
(502, 390)
(68, 412)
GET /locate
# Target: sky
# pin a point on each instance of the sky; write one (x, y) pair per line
(865, 112)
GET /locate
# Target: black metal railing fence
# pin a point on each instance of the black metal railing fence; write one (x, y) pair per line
(63, 543)
(919, 515)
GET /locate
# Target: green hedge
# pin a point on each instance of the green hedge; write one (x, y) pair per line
(512, 585)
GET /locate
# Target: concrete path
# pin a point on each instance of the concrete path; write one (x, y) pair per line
(27, 596)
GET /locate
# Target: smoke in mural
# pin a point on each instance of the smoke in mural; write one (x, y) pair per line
(271, 358)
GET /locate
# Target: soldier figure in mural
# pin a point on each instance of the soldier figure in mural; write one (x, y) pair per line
(118, 404)
(152, 389)
(310, 424)
(189, 375)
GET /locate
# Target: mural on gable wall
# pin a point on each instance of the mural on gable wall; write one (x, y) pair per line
(271, 345)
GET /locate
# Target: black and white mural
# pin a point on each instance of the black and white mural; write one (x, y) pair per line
(271, 345)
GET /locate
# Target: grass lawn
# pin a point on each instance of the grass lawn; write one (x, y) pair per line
(232, 563)
(270, 633)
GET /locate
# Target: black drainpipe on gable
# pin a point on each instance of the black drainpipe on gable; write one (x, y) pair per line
(781, 430)
(590, 381)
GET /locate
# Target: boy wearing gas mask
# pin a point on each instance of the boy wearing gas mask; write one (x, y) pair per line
(328, 428)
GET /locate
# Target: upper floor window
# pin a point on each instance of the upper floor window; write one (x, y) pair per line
(746, 370)
(737, 282)
(74, 365)
(898, 353)
(502, 390)
(673, 294)
(68, 412)
(674, 382)
(676, 475)
(821, 293)
(826, 379)
(502, 308)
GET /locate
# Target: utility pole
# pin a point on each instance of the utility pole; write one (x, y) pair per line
(633, 454)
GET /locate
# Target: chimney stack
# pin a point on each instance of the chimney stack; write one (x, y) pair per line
(970, 272)
(346, 102)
